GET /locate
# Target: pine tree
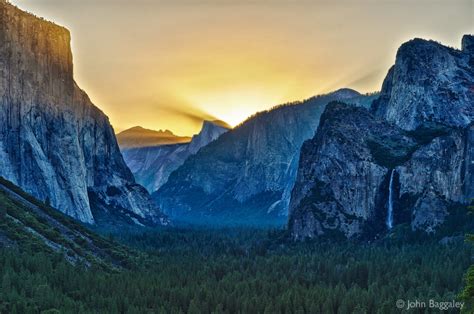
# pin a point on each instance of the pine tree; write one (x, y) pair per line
(194, 307)
(468, 293)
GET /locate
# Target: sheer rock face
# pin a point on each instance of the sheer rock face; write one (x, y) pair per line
(54, 143)
(247, 174)
(429, 83)
(152, 165)
(467, 44)
(344, 171)
(339, 181)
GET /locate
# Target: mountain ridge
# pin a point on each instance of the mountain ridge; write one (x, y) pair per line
(152, 165)
(248, 171)
(406, 161)
(138, 136)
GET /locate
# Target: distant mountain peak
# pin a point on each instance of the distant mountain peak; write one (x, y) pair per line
(142, 129)
(152, 165)
(138, 136)
(136, 128)
(346, 92)
(219, 123)
(209, 132)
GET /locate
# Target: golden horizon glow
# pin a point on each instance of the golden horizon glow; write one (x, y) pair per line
(169, 64)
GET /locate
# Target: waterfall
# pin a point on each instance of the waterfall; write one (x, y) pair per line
(390, 201)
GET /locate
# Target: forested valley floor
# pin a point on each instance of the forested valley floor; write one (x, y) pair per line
(235, 271)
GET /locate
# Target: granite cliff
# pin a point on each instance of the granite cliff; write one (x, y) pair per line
(407, 161)
(429, 83)
(54, 143)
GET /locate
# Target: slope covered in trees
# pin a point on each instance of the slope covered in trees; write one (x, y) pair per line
(246, 271)
(29, 225)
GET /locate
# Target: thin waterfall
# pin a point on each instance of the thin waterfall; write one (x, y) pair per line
(390, 201)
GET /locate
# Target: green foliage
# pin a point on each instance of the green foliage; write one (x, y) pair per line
(213, 271)
(33, 226)
(468, 293)
(232, 271)
(392, 152)
(389, 153)
(426, 133)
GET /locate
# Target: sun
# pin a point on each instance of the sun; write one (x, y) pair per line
(235, 106)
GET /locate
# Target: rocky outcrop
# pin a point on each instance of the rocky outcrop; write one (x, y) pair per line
(247, 174)
(429, 83)
(365, 172)
(210, 131)
(152, 165)
(343, 182)
(140, 137)
(467, 46)
(434, 177)
(340, 177)
(469, 164)
(54, 143)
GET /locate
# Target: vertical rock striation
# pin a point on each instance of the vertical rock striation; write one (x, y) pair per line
(247, 174)
(420, 130)
(429, 83)
(54, 143)
(343, 174)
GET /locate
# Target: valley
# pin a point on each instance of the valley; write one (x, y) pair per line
(233, 270)
(343, 202)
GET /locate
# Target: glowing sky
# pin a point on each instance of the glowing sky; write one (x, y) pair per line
(159, 64)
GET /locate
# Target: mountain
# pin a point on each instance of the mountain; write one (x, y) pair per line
(210, 131)
(428, 83)
(246, 175)
(408, 161)
(152, 165)
(54, 143)
(30, 225)
(140, 137)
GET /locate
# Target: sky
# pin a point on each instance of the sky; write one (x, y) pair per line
(169, 64)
